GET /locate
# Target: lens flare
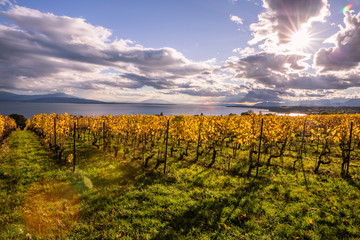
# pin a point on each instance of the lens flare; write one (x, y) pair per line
(51, 209)
(347, 8)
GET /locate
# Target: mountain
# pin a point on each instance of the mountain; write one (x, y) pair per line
(352, 103)
(268, 104)
(46, 98)
(334, 102)
(155, 101)
(63, 100)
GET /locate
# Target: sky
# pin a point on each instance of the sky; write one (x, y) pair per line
(188, 51)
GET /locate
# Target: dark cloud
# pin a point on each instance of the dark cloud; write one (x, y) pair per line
(324, 81)
(258, 95)
(283, 97)
(203, 92)
(315, 95)
(346, 53)
(281, 71)
(152, 82)
(267, 68)
(283, 17)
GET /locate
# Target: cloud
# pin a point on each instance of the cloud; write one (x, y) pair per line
(283, 72)
(258, 95)
(152, 82)
(269, 69)
(279, 73)
(281, 18)
(277, 67)
(45, 51)
(210, 88)
(236, 19)
(49, 50)
(6, 2)
(323, 81)
(279, 70)
(345, 56)
(202, 92)
(247, 51)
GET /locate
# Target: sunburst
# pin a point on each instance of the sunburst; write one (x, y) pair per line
(300, 40)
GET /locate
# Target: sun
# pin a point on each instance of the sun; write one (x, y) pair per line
(300, 40)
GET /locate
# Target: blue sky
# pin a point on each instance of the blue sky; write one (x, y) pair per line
(199, 29)
(190, 51)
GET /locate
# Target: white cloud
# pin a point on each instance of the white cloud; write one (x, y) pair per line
(247, 51)
(6, 2)
(236, 19)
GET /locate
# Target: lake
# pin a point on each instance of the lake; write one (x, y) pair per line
(30, 109)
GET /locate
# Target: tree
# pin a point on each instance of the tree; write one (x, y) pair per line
(19, 119)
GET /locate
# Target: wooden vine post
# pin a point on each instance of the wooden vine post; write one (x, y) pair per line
(55, 131)
(166, 143)
(259, 150)
(103, 135)
(349, 153)
(301, 152)
(198, 143)
(56, 147)
(74, 147)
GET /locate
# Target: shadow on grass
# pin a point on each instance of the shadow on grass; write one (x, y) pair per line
(354, 183)
(124, 174)
(152, 177)
(210, 214)
(86, 154)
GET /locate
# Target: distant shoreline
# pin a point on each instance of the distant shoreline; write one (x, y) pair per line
(315, 110)
(79, 102)
(29, 109)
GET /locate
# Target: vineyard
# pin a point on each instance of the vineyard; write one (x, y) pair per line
(180, 177)
(223, 141)
(7, 125)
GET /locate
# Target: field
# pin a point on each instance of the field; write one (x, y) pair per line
(159, 177)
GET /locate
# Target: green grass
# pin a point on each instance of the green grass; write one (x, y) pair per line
(119, 199)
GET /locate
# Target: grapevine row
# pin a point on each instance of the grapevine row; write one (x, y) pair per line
(208, 139)
(7, 125)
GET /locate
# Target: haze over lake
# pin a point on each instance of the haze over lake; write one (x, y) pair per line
(30, 109)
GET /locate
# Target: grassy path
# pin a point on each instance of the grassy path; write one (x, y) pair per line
(30, 181)
(23, 161)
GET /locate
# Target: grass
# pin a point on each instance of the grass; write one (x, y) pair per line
(113, 198)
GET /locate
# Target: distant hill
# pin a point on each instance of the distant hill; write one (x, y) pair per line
(352, 103)
(46, 98)
(267, 104)
(155, 101)
(63, 100)
(334, 102)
